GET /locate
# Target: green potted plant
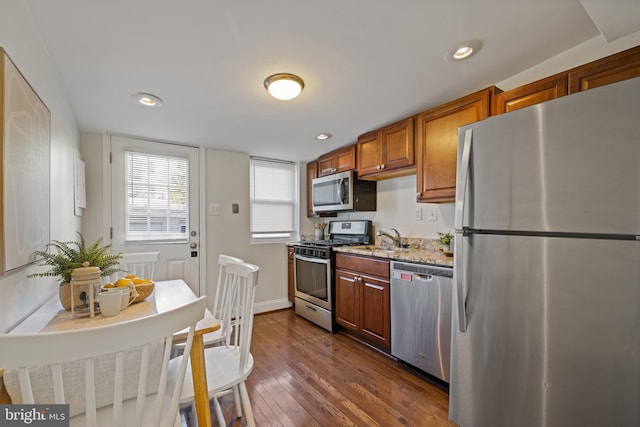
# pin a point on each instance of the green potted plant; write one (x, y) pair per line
(445, 241)
(68, 256)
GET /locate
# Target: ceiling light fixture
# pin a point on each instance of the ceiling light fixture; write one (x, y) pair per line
(463, 50)
(147, 99)
(323, 136)
(284, 86)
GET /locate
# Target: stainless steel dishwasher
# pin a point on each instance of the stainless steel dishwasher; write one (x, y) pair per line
(421, 316)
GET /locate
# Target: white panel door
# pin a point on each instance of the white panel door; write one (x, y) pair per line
(177, 239)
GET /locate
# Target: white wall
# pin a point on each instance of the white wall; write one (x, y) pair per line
(21, 40)
(227, 182)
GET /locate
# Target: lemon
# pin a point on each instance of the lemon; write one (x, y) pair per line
(137, 280)
(109, 285)
(130, 276)
(123, 282)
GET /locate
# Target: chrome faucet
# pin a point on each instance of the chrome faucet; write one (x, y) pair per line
(396, 239)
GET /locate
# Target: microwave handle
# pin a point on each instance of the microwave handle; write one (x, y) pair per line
(342, 192)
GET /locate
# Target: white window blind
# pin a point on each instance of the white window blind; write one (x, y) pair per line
(274, 200)
(157, 206)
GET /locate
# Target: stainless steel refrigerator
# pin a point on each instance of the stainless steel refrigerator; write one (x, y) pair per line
(546, 310)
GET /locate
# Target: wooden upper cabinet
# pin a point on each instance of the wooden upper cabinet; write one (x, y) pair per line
(437, 144)
(387, 152)
(340, 160)
(530, 94)
(614, 68)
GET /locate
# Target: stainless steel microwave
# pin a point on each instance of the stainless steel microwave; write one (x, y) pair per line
(343, 191)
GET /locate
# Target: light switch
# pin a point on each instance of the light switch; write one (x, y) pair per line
(432, 212)
(235, 208)
(418, 214)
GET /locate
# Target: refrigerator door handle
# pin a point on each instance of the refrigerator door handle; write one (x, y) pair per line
(460, 275)
(462, 178)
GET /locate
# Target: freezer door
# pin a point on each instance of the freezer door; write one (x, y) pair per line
(567, 165)
(552, 333)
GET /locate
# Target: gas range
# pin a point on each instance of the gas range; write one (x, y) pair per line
(314, 270)
(341, 233)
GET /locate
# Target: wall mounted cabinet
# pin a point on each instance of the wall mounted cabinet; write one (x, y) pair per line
(532, 93)
(614, 68)
(437, 144)
(388, 152)
(340, 160)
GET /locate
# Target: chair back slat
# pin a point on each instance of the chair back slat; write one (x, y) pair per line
(142, 264)
(243, 279)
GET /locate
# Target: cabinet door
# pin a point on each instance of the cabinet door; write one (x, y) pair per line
(375, 311)
(347, 300)
(398, 145)
(530, 94)
(614, 68)
(312, 172)
(437, 144)
(369, 157)
(290, 277)
(326, 165)
(345, 158)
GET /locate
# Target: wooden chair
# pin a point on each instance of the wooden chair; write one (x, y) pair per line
(229, 365)
(142, 264)
(216, 337)
(111, 360)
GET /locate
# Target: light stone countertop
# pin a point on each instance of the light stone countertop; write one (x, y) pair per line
(421, 255)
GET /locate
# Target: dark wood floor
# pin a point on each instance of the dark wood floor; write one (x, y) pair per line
(304, 376)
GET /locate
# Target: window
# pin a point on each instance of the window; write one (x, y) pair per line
(157, 206)
(274, 201)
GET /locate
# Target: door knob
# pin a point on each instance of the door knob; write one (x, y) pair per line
(193, 245)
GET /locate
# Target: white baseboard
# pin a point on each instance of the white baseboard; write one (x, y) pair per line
(273, 305)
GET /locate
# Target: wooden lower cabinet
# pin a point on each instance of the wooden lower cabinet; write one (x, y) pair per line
(291, 280)
(363, 293)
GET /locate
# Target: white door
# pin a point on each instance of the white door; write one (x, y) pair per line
(154, 202)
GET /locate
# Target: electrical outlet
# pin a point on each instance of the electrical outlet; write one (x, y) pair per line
(214, 210)
(418, 214)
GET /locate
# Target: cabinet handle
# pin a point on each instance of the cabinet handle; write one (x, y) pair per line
(377, 287)
(381, 167)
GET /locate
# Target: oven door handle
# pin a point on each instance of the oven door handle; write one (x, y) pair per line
(310, 259)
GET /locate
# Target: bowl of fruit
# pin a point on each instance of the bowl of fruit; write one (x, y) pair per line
(143, 287)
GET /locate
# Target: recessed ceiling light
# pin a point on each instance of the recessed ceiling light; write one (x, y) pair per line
(463, 50)
(323, 136)
(147, 99)
(284, 86)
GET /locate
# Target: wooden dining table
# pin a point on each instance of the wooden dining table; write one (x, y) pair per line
(166, 295)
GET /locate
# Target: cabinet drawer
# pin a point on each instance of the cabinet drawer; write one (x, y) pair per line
(364, 265)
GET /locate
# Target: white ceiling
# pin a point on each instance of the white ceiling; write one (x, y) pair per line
(365, 63)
